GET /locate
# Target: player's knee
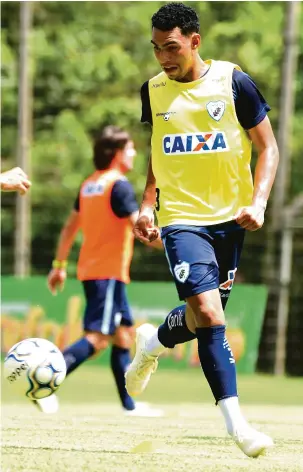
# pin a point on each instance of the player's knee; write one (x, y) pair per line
(208, 314)
(98, 340)
(207, 310)
(124, 337)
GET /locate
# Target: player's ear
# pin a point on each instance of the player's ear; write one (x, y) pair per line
(195, 41)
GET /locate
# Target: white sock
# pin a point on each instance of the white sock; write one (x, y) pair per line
(234, 419)
(153, 345)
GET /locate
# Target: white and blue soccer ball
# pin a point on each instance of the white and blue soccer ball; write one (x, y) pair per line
(35, 367)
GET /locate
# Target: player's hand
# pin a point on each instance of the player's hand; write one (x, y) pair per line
(56, 279)
(145, 230)
(251, 217)
(15, 180)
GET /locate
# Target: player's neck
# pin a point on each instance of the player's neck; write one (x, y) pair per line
(197, 71)
(117, 166)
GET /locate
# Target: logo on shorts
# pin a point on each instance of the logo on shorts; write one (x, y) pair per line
(228, 285)
(181, 272)
(216, 109)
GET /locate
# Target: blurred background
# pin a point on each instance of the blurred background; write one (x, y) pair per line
(69, 68)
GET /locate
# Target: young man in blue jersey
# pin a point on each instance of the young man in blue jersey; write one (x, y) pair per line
(205, 116)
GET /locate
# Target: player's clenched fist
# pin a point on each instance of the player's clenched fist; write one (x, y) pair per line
(15, 180)
(144, 229)
(250, 217)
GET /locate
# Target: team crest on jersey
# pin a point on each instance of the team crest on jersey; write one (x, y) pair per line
(228, 284)
(216, 109)
(198, 143)
(181, 271)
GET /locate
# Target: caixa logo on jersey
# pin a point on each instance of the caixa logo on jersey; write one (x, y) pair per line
(198, 143)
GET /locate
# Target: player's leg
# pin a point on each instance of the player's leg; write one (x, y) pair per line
(179, 326)
(119, 361)
(197, 280)
(123, 337)
(120, 355)
(96, 322)
(183, 248)
(98, 294)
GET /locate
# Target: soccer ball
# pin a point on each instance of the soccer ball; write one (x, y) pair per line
(35, 367)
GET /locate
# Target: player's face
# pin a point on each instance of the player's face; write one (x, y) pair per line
(127, 156)
(175, 52)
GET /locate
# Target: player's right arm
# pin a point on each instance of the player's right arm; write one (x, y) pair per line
(154, 241)
(145, 229)
(15, 180)
(57, 276)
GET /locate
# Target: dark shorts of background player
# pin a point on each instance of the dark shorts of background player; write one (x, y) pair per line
(107, 307)
(203, 258)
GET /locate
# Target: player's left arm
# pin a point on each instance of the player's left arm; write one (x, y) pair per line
(251, 109)
(262, 136)
(57, 275)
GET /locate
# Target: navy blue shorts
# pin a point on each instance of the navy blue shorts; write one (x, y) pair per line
(203, 258)
(106, 306)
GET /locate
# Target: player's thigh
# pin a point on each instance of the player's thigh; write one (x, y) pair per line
(228, 248)
(192, 262)
(102, 310)
(190, 319)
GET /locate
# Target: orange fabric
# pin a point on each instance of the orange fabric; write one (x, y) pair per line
(107, 247)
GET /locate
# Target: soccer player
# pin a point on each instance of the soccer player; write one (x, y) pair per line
(15, 180)
(106, 211)
(205, 115)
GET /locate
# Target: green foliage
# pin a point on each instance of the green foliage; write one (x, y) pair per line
(88, 62)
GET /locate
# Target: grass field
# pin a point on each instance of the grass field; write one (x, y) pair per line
(91, 434)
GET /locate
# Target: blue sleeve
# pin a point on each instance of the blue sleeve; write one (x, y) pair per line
(251, 106)
(123, 200)
(146, 115)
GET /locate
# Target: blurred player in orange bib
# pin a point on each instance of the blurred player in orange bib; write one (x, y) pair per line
(105, 211)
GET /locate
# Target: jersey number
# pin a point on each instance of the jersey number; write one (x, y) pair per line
(157, 199)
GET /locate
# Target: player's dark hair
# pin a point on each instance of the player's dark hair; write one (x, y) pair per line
(173, 15)
(107, 143)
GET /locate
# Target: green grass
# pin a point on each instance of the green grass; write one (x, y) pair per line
(90, 433)
(95, 384)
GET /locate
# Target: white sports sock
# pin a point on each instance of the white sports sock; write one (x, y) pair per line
(234, 419)
(153, 345)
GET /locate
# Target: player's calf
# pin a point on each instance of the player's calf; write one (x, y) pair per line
(174, 330)
(83, 349)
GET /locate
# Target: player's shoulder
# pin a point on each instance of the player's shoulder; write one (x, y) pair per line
(157, 81)
(225, 65)
(122, 186)
(240, 78)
